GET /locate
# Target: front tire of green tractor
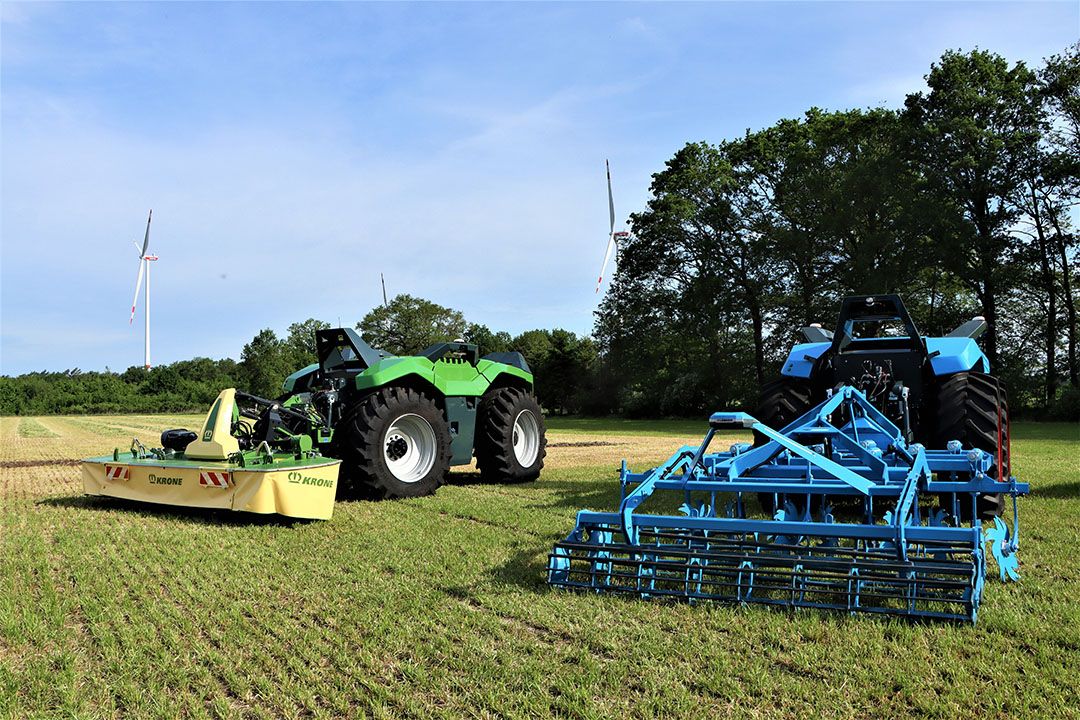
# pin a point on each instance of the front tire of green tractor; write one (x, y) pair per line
(781, 401)
(511, 440)
(396, 445)
(969, 408)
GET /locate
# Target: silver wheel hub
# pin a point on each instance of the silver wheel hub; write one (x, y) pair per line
(526, 438)
(409, 448)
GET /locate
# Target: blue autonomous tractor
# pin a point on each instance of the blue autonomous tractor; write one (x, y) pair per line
(935, 389)
(878, 456)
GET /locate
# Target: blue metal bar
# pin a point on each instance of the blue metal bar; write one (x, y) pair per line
(875, 416)
(778, 485)
(816, 415)
(645, 488)
(835, 469)
(792, 485)
(876, 467)
(921, 533)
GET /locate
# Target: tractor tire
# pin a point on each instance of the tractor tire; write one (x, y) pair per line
(395, 444)
(510, 436)
(781, 401)
(968, 411)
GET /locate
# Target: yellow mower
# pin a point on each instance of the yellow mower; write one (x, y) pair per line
(226, 465)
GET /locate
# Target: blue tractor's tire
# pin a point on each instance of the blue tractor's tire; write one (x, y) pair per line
(780, 402)
(972, 407)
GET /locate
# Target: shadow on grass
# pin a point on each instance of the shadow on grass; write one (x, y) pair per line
(580, 495)
(526, 568)
(474, 478)
(1060, 491)
(194, 516)
(468, 479)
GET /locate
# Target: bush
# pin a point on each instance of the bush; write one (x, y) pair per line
(1066, 406)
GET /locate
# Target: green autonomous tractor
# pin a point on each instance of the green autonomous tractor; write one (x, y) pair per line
(399, 423)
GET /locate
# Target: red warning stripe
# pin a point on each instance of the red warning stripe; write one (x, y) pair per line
(214, 479)
(117, 472)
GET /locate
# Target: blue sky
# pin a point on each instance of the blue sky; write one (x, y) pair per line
(292, 152)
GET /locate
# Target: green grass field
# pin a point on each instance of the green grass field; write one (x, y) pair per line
(439, 607)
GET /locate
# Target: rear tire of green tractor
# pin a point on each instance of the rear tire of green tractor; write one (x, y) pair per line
(511, 440)
(396, 445)
(781, 401)
(967, 410)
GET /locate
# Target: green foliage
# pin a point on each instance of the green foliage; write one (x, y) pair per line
(745, 241)
(534, 345)
(566, 362)
(563, 365)
(184, 385)
(409, 324)
(265, 362)
(976, 135)
(486, 340)
(300, 342)
(1066, 406)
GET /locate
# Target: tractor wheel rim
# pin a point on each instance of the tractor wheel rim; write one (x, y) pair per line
(410, 448)
(526, 438)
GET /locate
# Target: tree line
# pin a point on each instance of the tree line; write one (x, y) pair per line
(963, 201)
(563, 363)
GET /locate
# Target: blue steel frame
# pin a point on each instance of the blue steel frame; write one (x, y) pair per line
(865, 456)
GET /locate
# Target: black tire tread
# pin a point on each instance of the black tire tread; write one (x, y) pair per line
(494, 435)
(781, 401)
(967, 410)
(361, 449)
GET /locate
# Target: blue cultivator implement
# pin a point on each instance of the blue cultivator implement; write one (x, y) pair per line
(864, 521)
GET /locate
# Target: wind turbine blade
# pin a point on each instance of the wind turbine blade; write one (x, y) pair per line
(138, 285)
(607, 256)
(610, 199)
(611, 228)
(146, 238)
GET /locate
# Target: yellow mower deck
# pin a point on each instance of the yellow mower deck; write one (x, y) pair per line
(211, 472)
(300, 489)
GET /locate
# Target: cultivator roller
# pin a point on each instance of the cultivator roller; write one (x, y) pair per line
(864, 521)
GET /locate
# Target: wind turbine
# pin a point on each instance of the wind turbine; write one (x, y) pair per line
(144, 268)
(613, 237)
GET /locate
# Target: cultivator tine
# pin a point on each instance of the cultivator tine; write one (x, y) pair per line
(894, 564)
(745, 572)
